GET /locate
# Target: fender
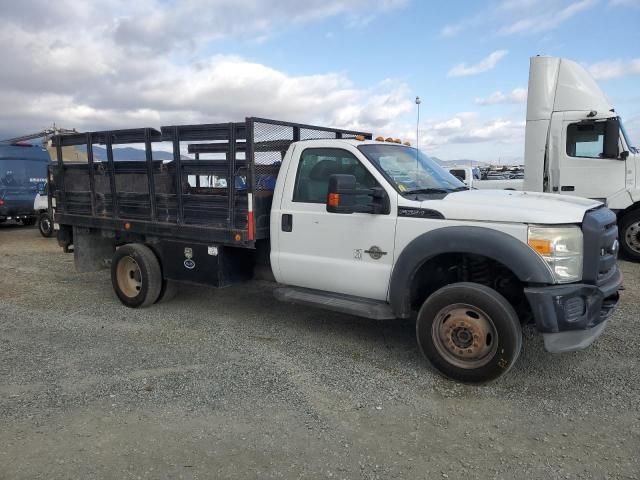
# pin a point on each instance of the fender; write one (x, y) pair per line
(526, 265)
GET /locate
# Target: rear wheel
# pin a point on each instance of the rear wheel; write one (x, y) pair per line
(45, 225)
(168, 291)
(469, 332)
(136, 275)
(630, 235)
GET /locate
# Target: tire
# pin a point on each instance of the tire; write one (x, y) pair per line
(477, 312)
(168, 291)
(136, 276)
(630, 235)
(45, 225)
(28, 222)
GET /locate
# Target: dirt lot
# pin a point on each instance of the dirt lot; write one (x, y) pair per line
(231, 384)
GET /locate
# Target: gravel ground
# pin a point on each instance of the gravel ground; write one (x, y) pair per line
(232, 384)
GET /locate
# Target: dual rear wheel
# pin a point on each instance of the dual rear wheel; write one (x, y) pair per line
(136, 277)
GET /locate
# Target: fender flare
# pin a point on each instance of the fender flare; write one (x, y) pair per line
(526, 265)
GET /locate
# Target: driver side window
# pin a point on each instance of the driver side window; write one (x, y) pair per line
(318, 164)
(586, 140)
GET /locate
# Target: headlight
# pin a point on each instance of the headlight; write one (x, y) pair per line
(561, 248)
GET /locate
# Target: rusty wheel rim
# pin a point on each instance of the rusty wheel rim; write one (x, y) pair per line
(465, 336)
(129, 277)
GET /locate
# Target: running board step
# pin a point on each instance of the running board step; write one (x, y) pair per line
(361, 307)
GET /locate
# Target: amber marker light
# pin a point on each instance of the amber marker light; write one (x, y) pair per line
(543, 247)
(333, 200)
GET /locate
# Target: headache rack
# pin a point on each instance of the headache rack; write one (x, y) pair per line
(209, 182)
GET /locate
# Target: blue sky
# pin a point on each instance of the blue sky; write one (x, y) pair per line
(355, 64)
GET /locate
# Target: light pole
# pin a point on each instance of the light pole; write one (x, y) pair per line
(418, 102)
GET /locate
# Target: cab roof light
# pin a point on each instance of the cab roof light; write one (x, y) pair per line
(379, 139)
(408, 144)
(398, 141)
(359, 138)
(389, 139)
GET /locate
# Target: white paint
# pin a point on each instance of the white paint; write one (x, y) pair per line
(327, 251)
(562, 92)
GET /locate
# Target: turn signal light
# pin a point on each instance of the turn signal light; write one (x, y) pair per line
(543, 247)
(333, 200)
(127, 226)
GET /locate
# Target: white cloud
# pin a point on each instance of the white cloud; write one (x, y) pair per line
(80, 73)
(548, 20)
(469, 128)
(484, 65)
(509, 17)
(517, 95)
(614, 69)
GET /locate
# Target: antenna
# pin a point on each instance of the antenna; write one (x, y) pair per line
(418, 102)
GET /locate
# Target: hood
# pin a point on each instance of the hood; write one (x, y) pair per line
(512, 206)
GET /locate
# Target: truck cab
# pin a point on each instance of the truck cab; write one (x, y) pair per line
(576, 144)
(345, 223)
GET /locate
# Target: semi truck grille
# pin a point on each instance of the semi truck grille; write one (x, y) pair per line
(601, 245)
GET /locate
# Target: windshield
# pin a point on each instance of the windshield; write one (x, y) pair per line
(627, 139)
(22, 173)
(409, 170)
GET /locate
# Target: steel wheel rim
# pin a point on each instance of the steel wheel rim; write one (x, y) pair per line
(632, 236)
(129, 277)
(45, 225)
(465, 336)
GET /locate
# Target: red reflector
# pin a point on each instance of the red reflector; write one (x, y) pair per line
(250, 222)
(1, 202)
(333, 200)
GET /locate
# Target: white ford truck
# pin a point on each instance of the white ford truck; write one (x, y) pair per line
(471, 177)
(344, 223)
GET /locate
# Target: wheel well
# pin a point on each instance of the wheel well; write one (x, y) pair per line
(630, 208)
(449, 268)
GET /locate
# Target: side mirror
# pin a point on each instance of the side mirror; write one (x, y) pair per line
(611, 138)
(343, 195)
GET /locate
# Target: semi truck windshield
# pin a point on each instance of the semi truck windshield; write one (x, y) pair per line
(410, 170)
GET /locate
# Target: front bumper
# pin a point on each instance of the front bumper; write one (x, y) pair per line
(571, 317)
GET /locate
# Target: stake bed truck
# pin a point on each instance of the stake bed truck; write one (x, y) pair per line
(345, 223)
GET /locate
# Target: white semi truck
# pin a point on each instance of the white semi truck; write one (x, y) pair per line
(576, 145)
(345, 223)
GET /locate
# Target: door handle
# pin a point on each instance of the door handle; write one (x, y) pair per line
(287, 222)
(568, 188)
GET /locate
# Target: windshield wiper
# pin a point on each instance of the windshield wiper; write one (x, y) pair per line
(428, 190)
(459, 189)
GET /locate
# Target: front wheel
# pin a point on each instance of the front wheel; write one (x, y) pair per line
(630, 235)
(469, 332)
(136, 275)
(45, 225)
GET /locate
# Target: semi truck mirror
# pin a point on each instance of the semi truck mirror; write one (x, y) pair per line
(611, 138)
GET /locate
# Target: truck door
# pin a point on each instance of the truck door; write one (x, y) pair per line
(344, 253)
(583, 171)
